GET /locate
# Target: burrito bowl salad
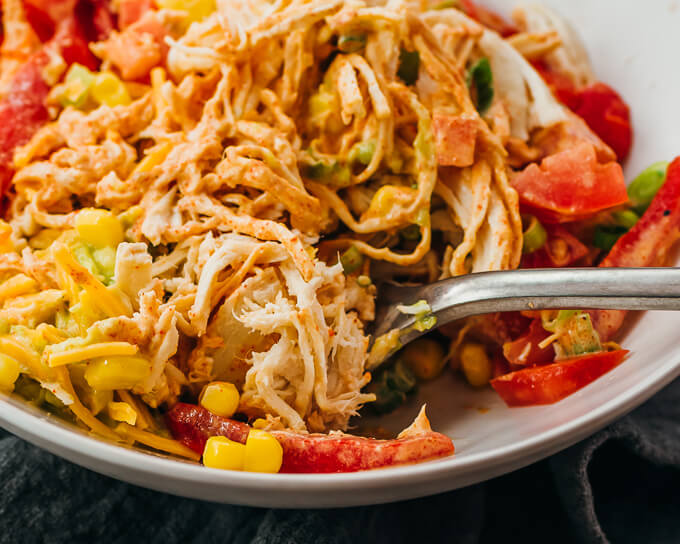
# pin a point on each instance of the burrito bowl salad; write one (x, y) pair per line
(202, 198)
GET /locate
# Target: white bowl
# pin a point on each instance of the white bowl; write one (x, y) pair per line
(633, 47)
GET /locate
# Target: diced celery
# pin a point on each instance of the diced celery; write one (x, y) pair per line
(351, 260)
(77, 86)
(535, 236)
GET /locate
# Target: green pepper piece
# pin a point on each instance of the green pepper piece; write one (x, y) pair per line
(606, 236)
(409, 64)
(642, 189)
(351, 260)
(351, 43)
(446, 4)
(626, 218)
(481, 76)
(535, 236)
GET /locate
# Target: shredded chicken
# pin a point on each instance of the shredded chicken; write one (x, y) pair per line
(250, 155)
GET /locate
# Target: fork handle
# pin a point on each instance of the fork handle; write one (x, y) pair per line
(539, 289)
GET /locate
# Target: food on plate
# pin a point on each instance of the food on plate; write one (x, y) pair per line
(201, 200)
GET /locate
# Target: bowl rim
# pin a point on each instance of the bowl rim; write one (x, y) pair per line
(80, 446)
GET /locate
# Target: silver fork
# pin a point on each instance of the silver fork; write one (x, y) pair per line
(516, 290)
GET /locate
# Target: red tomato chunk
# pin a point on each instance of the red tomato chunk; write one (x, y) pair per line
(551, 383)
(570, 185)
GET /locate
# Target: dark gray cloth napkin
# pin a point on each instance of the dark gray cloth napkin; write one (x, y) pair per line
(621, 485)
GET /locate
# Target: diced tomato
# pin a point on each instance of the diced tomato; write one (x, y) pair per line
(39, 19)
(570, 185)
(130, 11)
(455, 137)
(499, 366)
(139, 47)
(22, 112)
(192, 426)
(561, 249)
(72, 43)
(133, 53)
(524, 351)
(316, 453)
(488, 18)
(550, 383)
(560, 84)
(567, 135)
(43, 15)
(66, 24)
(100, 18)
(646, 244)
(600, 106)
(607, 114)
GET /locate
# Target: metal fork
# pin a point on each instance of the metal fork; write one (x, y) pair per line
(516, 290)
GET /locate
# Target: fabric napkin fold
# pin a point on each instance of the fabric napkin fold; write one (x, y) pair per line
(620, 485)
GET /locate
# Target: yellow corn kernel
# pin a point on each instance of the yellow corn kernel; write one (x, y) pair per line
(387, 197)
(99, 228)
(259, 423)
(6, 245)
(475, 364)
(425, 357)
(17, 285)
(9, 372)
(154, 157)
(195, 9)
(220, 452)
(122, 411)
(109, 90)
(108, 373)
(263, 452)
(220, 398)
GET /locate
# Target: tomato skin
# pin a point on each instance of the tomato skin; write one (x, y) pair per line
(130, 11)
(517, 353)
(600, 106)
(607, 114)
(646, 244)
(550, 383)
(72, 44)
(570, 185)
(310, 453)
(22, 112)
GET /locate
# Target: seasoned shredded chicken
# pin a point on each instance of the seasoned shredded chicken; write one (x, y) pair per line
(244, 164)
